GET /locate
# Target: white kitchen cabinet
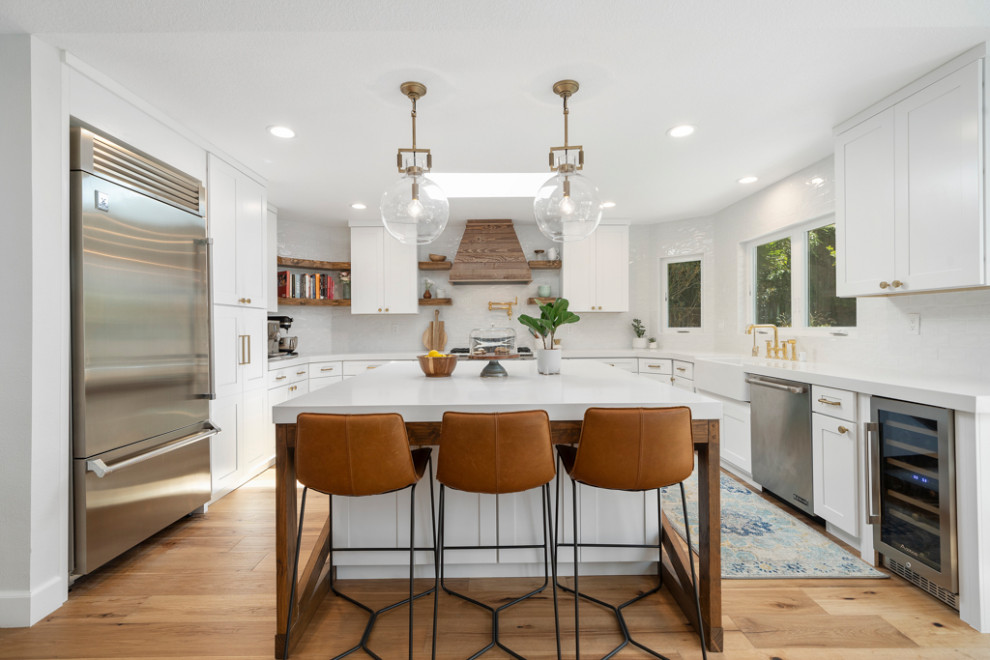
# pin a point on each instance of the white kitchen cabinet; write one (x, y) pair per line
(835, 458)
(271, 260)
(735, 444)
(240, 359)
(383, 273)
(322, 374)
(240, 349)
(656, 366)
(595, 271)
(237, 210)
(835, 471)
(909, 187)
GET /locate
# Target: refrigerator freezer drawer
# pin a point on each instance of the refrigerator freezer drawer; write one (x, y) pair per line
(138, 494)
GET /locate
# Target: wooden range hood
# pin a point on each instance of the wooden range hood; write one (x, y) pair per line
(490, 253)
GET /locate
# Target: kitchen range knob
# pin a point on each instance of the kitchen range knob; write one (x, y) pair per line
(884, 285)
(897, 284)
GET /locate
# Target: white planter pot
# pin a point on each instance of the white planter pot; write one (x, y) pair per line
(548, 360)
(654, 345)
(639, 342)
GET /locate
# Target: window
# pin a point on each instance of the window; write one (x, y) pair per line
(794, 279)
(824, 308)
(681, 286)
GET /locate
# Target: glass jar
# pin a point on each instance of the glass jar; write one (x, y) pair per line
(493, 342)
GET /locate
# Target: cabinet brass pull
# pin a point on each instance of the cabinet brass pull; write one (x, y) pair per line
(280, 377)
(681, 369)
(327, 369)
(300, 373)
(654, 366)
(897, 284)
(843, 429)
(372, 366)
(829, 402)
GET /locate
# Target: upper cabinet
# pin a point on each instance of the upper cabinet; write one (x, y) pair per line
(237, 209)
(383, 273)
(909, 188)
(595, 272)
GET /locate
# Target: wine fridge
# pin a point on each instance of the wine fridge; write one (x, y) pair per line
(912, 504)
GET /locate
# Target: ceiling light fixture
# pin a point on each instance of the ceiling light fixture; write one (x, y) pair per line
(358, 206)
(683, 130)
(748, 179)
(567, 207)
(283, 132)
(414, 210)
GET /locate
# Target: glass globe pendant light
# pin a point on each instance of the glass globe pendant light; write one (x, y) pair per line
(414, 210)
(567, 206)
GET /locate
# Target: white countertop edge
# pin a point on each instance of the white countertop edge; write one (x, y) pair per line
(963, 394)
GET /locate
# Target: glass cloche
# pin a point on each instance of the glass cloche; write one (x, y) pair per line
(492, 342)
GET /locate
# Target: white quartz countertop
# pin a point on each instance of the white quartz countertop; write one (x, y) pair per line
(401, 387)
(965, 394)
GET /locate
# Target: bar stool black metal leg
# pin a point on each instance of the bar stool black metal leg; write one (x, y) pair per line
(412, 561)
(550, 542)
(694, 578)
(577, 591)
(295, 575)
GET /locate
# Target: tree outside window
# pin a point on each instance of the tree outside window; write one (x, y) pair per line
(824, 307)
(773, 283)
(684, 294)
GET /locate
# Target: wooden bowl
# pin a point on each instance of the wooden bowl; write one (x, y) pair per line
(438, 257)
(437, 367)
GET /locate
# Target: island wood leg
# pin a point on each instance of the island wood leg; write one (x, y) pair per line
(710, 536)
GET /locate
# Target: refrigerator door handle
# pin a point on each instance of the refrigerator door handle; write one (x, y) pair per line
(212, 394)
(873, 473)
(101, 469)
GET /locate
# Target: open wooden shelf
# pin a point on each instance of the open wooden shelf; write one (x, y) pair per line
(314, 302)
(545, 265)
(292, 262)
(541, 301)
(435, 301)
(435, 265)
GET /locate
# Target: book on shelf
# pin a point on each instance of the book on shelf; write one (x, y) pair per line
(311, 286)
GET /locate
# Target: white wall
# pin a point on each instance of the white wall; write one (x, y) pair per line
(34, 402)
(954, 325)
(335, 329)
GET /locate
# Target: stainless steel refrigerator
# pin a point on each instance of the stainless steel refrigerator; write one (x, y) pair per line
(141, 344)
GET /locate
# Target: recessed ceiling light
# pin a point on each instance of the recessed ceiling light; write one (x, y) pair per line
(608, 205)
(282, 132)
(683, 130)
(748, 179)
(359, 206)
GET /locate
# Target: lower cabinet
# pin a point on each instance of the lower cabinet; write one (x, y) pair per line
(834, 464)
(244, 447)
(734, 436)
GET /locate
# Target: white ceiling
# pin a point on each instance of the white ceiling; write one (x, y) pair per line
(763, 80)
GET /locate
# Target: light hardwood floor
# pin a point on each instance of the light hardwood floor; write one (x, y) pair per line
(204, 588)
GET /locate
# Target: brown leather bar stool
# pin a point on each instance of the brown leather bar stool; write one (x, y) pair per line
(355, 456)
(631, 449)
(496, 453)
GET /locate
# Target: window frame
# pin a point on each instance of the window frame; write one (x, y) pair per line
(800, 294)
(665, 328)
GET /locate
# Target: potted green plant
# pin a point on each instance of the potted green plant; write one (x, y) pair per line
(639, 341)
(552, 316)
(653, 343)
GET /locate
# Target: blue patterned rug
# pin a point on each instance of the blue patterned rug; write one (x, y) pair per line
(759, 540)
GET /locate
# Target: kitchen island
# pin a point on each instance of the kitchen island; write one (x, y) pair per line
(402, 388)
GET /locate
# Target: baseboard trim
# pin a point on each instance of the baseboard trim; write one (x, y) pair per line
(22, 608)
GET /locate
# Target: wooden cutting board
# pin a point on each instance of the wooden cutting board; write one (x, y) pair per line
(434, 338)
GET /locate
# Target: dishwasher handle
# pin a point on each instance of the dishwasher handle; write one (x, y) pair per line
(777, 385)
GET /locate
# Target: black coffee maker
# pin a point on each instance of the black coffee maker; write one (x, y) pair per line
(279, 341)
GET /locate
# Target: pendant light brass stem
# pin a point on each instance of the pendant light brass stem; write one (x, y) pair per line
(565, 89)
(415, 91)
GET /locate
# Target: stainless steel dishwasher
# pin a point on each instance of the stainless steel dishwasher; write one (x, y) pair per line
(780, 422)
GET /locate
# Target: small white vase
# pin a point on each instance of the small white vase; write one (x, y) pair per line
(639, 342)
(548, 360)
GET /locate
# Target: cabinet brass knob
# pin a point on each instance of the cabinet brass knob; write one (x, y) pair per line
(843, 429)
(897, 284)
(884, 285)
(379, 309)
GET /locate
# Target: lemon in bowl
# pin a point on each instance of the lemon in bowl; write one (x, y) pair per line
(436, 364)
